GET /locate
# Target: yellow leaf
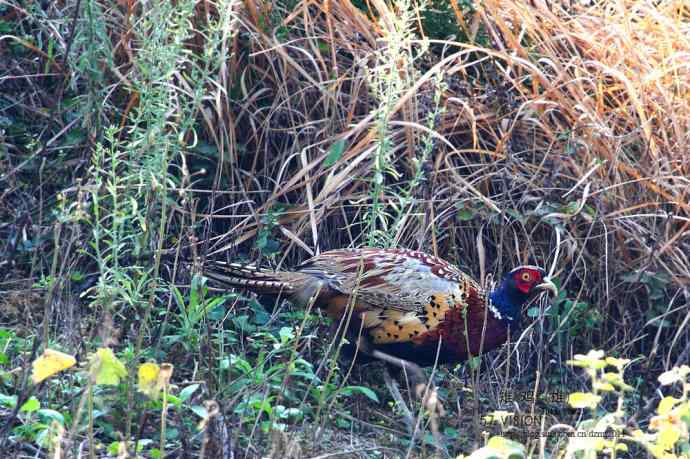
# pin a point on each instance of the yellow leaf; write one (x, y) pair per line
(583, 400)
(618, 363)
(153, 378)
(666, 405)
(106, 369)
(50, 363)
(603, 386)
(148, 379)
(500, 447)
(668, 436)
(593, 359)
(617, 380)
(656, 450)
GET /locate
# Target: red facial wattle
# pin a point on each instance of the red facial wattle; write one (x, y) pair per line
(526, 279)
(523, 287)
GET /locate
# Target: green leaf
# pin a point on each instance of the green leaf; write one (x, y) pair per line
(516, 215)
(52, 415)
(6, 28)
(266, 426)
(263, 405)
(30, 405)
(206, 149)
(242, 322)
(261, 316)
(334, 153)
(195, 291)
(474, 362)
(8, 401)
(343, 423)
(451, 433)
(632, 277)
(286, 334)
(75, 136)
(533, 312)
(286, 413)
(370, 394)
(240, 364)
(114, 448)
(188, 391)
(172, 433)
(200, 411)
(173, 400)
(465, 213)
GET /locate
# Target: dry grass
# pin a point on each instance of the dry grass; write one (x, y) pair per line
(573, 120)
(559, 124)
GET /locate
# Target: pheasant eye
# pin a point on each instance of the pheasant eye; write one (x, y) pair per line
(526, 277)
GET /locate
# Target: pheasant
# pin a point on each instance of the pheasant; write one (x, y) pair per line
(408, 308)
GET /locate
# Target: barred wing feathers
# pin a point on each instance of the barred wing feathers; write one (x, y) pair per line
(400, 295)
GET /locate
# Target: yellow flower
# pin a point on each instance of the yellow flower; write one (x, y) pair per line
(50, 363)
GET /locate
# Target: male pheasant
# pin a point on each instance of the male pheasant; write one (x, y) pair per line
(407, 308)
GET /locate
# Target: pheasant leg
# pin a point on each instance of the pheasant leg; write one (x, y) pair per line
(423, 389)
(392, 385)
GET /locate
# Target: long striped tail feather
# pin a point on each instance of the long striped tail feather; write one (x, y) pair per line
(238, 275)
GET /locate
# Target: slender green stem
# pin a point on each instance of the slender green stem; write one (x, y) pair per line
(92, 442)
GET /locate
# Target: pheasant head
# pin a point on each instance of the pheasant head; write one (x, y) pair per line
(517, 288)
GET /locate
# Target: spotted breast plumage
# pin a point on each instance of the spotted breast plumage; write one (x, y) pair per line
(404, 303)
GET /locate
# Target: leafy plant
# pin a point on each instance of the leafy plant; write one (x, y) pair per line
(606, 431)
(192, 311)
(392, 75)
(265, 242)
(656, 284)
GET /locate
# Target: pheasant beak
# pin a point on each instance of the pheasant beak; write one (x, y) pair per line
(549, 286)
